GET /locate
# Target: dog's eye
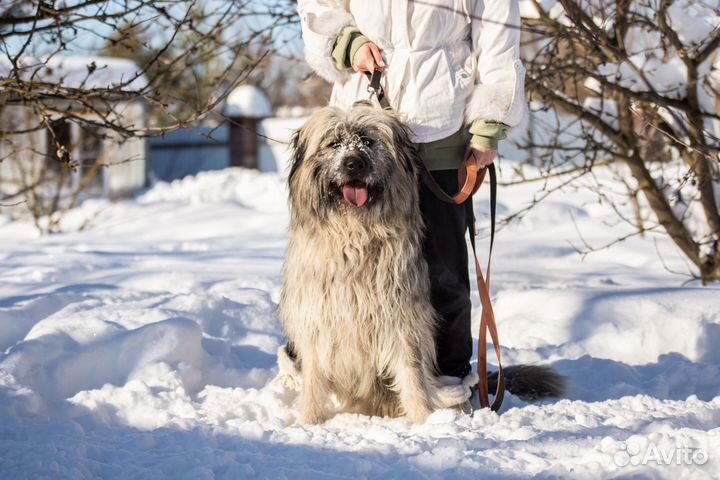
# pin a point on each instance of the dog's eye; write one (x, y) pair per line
(335, 145)
(366, 141)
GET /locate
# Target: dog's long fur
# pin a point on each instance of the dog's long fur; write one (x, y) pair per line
(355, 302)
(356, 294)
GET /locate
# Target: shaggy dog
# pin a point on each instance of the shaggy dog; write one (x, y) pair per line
(355, 302)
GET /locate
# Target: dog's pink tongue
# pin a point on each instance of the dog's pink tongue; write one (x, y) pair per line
(358, 196)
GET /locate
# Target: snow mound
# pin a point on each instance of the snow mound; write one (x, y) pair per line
(248, 188)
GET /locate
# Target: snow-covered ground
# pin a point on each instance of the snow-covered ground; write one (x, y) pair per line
(144, 347)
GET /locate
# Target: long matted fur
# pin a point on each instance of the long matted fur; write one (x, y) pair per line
(356, 293)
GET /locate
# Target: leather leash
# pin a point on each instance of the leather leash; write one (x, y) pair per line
(487, 320)
(469, 181)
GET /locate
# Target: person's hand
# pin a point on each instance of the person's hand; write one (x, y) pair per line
(484, 157)
(368, 58)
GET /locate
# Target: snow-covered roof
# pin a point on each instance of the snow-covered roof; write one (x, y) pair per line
(16, 7)
(80, 72)
(248, 101)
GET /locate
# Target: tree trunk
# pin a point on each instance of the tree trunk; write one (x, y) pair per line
(660, 206)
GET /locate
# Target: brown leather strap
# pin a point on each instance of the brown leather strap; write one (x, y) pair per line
(469, 181)
(487, 321)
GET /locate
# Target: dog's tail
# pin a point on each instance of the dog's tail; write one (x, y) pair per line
(530, 382)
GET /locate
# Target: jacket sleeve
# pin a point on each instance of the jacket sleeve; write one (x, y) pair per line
(346, 46)
(499, 91)
(487, 134)
(322, 21)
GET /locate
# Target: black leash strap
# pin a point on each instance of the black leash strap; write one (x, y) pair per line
(493, 212)
(430, 182)
(375, 89)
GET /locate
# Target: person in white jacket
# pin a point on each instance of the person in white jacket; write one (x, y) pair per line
(452, 70)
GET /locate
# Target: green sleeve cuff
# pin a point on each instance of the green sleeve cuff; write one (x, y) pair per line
(357, 42)
(347, 44)
(487, 134)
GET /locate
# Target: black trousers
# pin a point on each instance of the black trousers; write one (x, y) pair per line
(446, 253)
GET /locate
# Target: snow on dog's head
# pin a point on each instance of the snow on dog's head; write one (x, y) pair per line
(357, 162)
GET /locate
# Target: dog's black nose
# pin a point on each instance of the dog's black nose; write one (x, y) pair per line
(355, 164)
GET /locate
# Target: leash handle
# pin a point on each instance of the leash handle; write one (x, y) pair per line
(469, 181)
(468, 178)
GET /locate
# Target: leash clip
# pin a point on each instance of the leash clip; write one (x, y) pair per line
(374, 88)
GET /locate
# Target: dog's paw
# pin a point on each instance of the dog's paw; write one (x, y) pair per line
(312, 416)
(288, 381)
(311, 419)
(418, 415)
(288, 372)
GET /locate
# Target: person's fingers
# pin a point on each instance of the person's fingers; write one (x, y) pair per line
(483, 156)
(369, 64)
(359, 60)
(357, 63)
(368, 58)
(487, 158)
(376, 56)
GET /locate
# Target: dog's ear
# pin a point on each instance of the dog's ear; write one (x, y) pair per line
(298, 145)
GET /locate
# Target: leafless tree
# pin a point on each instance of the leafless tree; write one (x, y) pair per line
(630, 85)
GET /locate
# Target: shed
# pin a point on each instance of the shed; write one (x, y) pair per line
(32, 157)
(246, 106)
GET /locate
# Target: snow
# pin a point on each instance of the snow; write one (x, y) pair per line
(144, 347)
(694, 21)
(277, 133)
(248, 101)
(85, 72)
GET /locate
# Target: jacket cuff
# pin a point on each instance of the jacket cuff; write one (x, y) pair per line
(347, 44)
(487, 134)
(357, 42)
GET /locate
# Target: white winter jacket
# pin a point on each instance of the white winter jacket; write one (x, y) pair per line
(449, 62)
